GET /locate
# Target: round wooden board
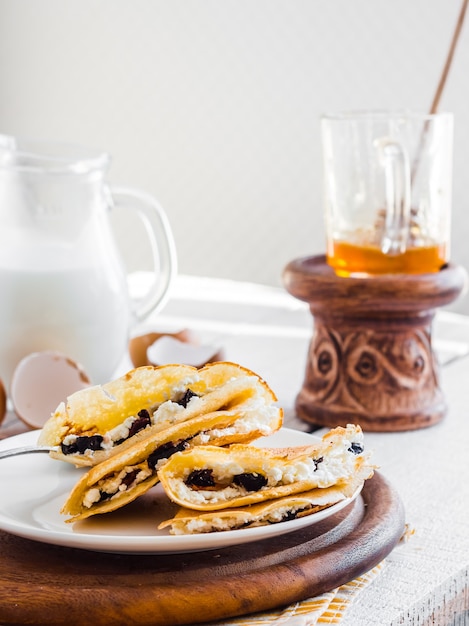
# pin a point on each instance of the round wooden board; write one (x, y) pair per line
(44, 584)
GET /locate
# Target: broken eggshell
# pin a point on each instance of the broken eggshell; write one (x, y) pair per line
(139, 345)
(40, 382)
(167, 349)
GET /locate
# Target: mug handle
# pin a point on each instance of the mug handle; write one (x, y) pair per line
(395, 162)
(162, 243)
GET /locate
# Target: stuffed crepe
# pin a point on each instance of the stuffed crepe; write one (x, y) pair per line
(125, 476)
(98, 422)
(210, 478)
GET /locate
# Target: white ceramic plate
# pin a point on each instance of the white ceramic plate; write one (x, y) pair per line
(34, 487)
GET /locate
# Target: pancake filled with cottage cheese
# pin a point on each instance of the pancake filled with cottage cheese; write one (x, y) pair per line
(211, 478)
(286, 508)
(98, 422)
(125, 476)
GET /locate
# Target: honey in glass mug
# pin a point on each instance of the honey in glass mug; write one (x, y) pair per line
(361, 251)
(387, 192)
(348, 258)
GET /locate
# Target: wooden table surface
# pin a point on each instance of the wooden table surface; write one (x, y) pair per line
(425, 580)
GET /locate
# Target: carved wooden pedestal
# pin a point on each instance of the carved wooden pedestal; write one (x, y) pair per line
(370, 359)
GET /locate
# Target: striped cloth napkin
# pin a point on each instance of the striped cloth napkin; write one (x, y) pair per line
(328, 608)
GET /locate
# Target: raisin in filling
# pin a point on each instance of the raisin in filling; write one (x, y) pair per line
(165, 451)
(142, 420)
(184, 401)
(130, 477)
(356, 448)
(317, 461)
(81, 444)
(201, 479)
(104, 495)
(127, 481)
(250, 481)
(290, 515)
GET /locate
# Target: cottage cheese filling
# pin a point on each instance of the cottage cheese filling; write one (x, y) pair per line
(339, 463)
(114, 485)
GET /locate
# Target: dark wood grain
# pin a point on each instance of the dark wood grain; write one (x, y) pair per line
(371, 359)
(43, 584)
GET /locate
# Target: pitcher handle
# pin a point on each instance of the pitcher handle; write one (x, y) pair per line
(395, 161)
(162, 243)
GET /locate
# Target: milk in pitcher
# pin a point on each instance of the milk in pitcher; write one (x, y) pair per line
(76, 312)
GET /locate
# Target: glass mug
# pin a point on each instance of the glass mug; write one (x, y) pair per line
(63, 286)
(387, 191)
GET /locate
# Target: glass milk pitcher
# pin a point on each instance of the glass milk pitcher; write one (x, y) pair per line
(63, 285)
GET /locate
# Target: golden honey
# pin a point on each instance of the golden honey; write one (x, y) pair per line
(348, 258)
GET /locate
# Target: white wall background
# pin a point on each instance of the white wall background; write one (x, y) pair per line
(213, 106)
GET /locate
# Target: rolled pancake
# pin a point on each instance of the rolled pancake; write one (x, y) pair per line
(97, 422)
(123, 477)
(286, 508)
(210, 478)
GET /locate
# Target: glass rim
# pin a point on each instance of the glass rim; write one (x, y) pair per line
(371, 115)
